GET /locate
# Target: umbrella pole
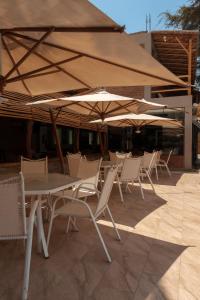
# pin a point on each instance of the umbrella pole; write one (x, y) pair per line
(29, 131)
(58, 145)
(77, 139)
(100, 142)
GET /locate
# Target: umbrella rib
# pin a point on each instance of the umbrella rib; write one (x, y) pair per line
(102, 59)
(13, 62)
(121, 106)
(93, 108)
(29, 52)
(49, 61)
(109, 103)
(25, 75)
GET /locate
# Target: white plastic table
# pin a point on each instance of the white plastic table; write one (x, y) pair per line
(38, 185)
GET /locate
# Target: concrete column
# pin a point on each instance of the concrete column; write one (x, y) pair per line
(184, 102)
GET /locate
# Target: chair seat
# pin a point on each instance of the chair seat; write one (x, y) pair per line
(76, 209)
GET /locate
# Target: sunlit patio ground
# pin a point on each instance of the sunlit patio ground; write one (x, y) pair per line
(158, 257)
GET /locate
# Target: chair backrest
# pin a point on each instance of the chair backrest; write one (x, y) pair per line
(156, 159)
(113, 156)
(169, 156)
(158, 156)
(36, 166)
(73, 163)
(12, 208)
(147, 160)
(89, 170)
(106, 191)
(131, 169)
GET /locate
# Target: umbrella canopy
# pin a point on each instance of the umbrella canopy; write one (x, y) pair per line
(100, 104)
(139, 121)
(51, 46)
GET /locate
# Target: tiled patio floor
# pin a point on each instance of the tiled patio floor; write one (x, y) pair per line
(158, 257)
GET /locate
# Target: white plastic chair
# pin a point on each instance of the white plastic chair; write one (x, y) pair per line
(154, 164)
(148, 160)
(130, 173)
(163, 163)
(73, 163)
(13, 223)
(36, 166)
(88, 172)
(78, 208)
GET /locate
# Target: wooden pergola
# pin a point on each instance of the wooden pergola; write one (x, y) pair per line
(176, 50)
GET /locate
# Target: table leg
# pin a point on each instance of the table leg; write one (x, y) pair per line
(40, 231)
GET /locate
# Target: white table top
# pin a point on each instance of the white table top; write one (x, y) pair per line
(48, 184)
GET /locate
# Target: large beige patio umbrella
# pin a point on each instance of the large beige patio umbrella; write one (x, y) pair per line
(139, 121)
(52, 46)
(100, 104)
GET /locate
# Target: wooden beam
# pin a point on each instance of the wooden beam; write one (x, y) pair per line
(183, 76)
(57, 140)
(169, 90)
(181, 44)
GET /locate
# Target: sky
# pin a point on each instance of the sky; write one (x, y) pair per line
(132, 13)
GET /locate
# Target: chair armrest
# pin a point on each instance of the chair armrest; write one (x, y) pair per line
(82, 185)
(77, 200)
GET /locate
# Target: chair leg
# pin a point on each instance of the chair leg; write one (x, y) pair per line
(101, 239)
(151, 182)
(68, 225)
(141, 189)
(156, 173)
(27, 261)
(50, 229)
(168, 171)
(113, 222)
(120, 189)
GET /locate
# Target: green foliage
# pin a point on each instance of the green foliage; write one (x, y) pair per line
(186, 17)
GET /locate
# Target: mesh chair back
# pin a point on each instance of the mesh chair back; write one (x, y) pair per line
(147, 160)
(73, 163)
(130, 169)
(12, 208)
(106, 191)
(158, 157)
(36, 166)
(155, 159)
(89, 170)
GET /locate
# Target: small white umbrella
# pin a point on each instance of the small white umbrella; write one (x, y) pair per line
(139, 121)
(100, 104)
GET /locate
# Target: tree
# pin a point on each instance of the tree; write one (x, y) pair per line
(186, 17)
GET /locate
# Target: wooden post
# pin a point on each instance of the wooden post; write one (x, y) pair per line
(190, 66)
(101, 142)
(58, 146)
(29, 130)
(77, 139)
